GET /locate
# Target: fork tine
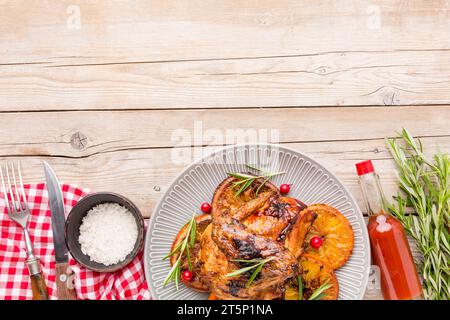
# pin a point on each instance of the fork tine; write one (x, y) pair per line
(13, 201)
(21, 185)
(16, 188)
(5, 194)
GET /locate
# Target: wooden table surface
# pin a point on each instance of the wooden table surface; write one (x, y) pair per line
(111, 92)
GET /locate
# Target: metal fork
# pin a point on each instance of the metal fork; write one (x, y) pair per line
(19, 212)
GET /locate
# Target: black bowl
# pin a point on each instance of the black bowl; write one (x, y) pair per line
(75, 219)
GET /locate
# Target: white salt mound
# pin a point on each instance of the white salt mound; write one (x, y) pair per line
(108, 233)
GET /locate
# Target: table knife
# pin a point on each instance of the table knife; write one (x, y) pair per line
(64, 276)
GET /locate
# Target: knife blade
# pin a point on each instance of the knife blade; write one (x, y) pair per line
(65, 290)
(56, 203)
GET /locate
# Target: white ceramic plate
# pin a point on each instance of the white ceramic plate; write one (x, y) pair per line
(311, 183)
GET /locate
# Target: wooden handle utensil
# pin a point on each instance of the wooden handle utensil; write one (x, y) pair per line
(38, 285)
(64, 283)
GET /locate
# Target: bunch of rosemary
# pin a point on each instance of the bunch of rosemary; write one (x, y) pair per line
(425, 186)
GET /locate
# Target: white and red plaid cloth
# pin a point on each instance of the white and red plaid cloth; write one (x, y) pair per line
(128, 283)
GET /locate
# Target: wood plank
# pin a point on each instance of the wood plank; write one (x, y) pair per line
(54, 133)
(202, 54)
(332, 79)
(36, 31)
(134, 152)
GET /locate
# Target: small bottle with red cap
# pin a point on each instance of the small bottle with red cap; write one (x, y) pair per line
(389, 245)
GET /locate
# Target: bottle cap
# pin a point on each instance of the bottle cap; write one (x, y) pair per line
(364, 167)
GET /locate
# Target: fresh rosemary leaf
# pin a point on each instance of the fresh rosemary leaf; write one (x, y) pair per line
(320, 296)
(240, 175)
(175, 250)
(239, 182)
(264, 173)
(261, 185)
(254, 167)
(259, 263)
(173, 273)
(319, 293)
(246, 180)
(182, 248)
(193, 233)
(241, 271)
(254, 275)
(300, 287)
(178, 275)
(247, 184)
(256, 262)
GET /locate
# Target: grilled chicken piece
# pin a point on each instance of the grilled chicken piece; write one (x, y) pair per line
(216, 266)
(252, 226)
(277, 220)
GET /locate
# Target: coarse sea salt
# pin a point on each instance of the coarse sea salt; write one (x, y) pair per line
(108, 233)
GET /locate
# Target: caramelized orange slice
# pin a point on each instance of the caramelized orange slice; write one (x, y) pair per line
(335, 232)
(314, 273)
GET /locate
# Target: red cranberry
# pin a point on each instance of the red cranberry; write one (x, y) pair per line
(285, 188)
(205, 207)
(187, 275)
(315, 242)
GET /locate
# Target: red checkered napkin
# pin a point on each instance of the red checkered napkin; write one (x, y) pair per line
(128, 283)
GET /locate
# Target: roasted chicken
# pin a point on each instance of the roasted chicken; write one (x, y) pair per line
(258, 223)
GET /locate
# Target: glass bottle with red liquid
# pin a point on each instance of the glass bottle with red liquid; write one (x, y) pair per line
(390, 248)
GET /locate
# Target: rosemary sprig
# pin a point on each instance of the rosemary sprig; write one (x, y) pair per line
(300, 287)
(246, 180)
(182, 248)
(425, 186)
(319, 293)
(258, 265)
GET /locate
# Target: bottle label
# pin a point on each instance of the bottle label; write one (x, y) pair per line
(383, 226)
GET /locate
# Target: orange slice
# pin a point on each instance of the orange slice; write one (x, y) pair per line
(314, 273)
(336, 234)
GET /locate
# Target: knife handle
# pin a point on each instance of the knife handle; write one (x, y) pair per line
(64, 282)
